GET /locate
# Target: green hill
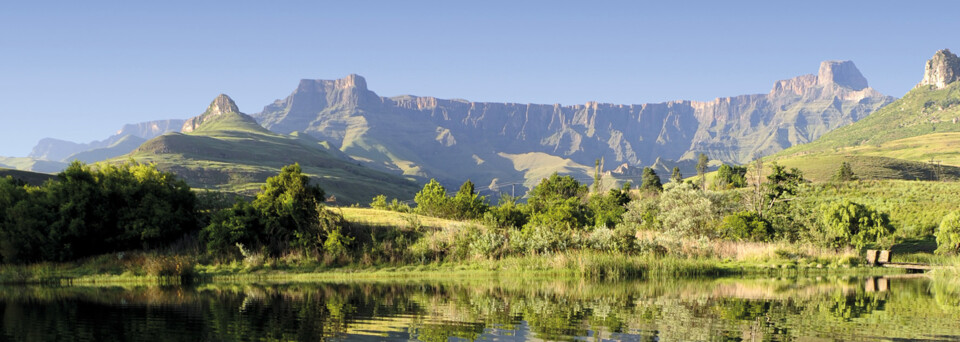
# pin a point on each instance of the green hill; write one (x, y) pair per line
(32, 178)
(915, 137)
(227, 150)
(31, 164)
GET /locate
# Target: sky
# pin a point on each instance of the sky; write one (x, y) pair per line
(79, 70)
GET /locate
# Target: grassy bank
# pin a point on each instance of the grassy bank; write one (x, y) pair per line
(393, 245)
(150, 269)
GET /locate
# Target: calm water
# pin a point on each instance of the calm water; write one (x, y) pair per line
(499, 310)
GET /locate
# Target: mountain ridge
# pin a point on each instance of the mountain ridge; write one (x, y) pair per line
(454, 139)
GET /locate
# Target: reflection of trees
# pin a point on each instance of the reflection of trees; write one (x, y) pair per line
(848, 307)
(707, 310)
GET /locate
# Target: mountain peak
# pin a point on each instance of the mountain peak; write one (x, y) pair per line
(942, 69)
(221, 109)
(352, 81)
(222, 104)
(842, 73)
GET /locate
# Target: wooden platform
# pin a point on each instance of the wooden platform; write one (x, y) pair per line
(882, 258)
(911, 266)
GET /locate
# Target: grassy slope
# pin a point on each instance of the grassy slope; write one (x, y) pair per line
(895, 142)
(32, 178)
(921, 111)
(31, 164)
(235, 154)
(120, 147)
(915, 208)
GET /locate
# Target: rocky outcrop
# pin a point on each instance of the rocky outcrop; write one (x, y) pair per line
(941, 70)
(841, 73)
(221, 105)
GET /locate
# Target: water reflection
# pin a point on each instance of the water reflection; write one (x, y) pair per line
(500, 310)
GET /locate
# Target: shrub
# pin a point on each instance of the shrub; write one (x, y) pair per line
(649, 181)
(745, 225)
(607, 209)
(490, 244)
(467, 204)
(642, 213)
(432, 200)
(687, 211)
(853, 224)
(730, 177)
(164, 266)
(948, 234)
(379, 202)
(508, 214)
(540, 239)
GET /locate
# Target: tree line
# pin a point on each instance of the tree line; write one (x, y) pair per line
(88, 211)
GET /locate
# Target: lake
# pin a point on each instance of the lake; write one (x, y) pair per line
(913, 307)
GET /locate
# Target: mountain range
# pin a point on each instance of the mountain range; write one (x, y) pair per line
(500, 146)
(496, 144)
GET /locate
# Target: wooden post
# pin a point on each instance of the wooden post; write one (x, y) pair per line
(884, 257)
(872, 257)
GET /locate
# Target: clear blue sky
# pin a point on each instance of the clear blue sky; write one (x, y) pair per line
(78, 70)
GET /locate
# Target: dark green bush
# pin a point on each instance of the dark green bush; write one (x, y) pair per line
(745, 225)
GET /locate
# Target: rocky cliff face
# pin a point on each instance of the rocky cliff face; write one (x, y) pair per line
(941, 70)
(221, 105)
(457, 139)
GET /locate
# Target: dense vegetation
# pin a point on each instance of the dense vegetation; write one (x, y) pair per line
(86, 212)
(774, 214)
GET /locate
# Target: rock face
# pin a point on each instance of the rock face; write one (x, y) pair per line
(941, 70)
(61, 150)
(221, 105)
(842, 73)
(456, 139)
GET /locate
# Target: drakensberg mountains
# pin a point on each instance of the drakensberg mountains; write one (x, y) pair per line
(915, 137)
(227, 150)
(506, 143)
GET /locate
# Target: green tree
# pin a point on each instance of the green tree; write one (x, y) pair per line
(854, 224)
(948, 234)
(558, 202)
(240, 224)
(507, 214)
(780, 187)
(746, 225)
(85, 212)
(730, 177)
(702, 163)
(650, 182)
(289, 205)
(467, 204)
(607, 209)
(675, 176)
(598, 175)
(432, 200)
(24, 222)
(379, 202)
(844, 173)
(687, 211)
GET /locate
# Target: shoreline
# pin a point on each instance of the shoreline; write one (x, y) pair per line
(635, 268)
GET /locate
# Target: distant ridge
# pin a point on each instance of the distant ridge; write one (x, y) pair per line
(493, 143)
